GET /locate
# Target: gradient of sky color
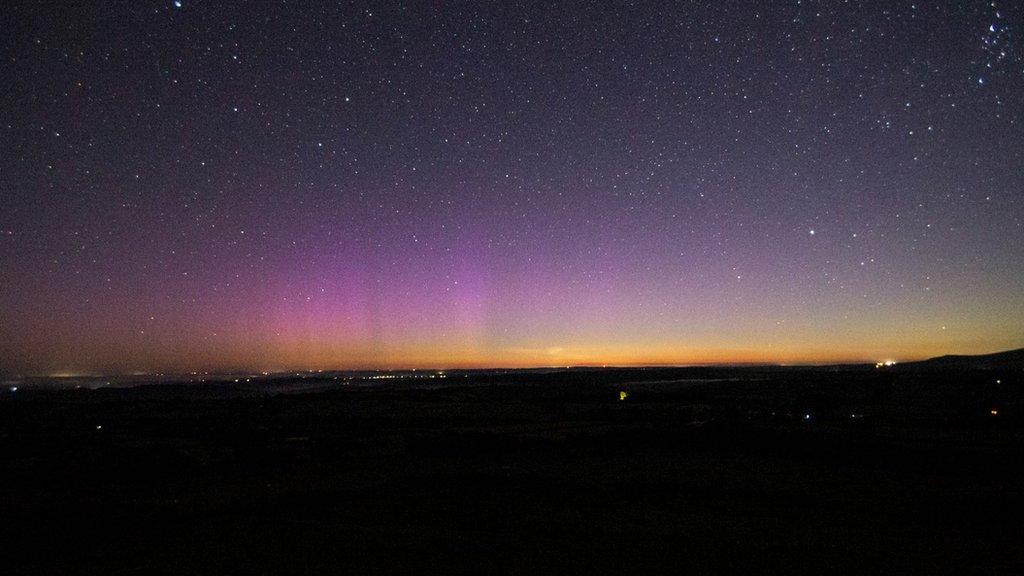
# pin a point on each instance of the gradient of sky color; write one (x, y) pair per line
(283, 185)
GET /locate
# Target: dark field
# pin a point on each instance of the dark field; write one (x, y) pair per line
(777, 471)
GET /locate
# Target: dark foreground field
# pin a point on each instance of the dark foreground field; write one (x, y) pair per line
(751, 471)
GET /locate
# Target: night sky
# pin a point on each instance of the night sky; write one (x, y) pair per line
(266, 186)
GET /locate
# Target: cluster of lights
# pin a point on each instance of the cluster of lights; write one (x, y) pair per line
(405, 376)
(391, 376)
(885, 363)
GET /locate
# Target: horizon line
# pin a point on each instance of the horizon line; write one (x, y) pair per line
(236, 371)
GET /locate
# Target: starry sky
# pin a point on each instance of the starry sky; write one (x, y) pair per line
(203, 185)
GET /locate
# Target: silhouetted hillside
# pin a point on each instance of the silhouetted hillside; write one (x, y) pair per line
(1009, 360)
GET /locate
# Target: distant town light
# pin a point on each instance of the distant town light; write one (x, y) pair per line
(994, 412)
(623, 395)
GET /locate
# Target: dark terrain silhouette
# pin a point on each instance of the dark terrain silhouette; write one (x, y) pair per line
(709, 470)
(1011, 360)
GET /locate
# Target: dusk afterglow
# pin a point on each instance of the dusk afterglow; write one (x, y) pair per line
(211, 186)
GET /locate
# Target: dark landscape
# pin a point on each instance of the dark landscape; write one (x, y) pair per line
(852, 469)
(514, 287)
